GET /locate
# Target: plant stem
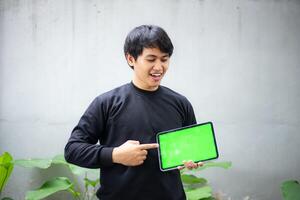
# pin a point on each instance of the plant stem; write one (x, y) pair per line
(86, 188)
(76, 185)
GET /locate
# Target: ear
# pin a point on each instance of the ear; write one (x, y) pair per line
(130, 60)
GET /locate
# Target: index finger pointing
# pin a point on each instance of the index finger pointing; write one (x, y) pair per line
(148, 146)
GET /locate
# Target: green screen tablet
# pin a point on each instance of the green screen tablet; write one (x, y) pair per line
(196, 142)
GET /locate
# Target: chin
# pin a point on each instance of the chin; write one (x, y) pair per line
(154, 85)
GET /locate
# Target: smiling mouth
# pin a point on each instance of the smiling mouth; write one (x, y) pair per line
(156, 75)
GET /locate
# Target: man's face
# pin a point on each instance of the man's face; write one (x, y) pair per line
(149, 68)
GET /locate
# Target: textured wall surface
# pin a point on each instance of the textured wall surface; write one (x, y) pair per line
(237, 61)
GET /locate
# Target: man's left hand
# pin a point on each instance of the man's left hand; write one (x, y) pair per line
(190, 165)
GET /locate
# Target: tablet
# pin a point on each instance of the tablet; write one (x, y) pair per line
(196, 142)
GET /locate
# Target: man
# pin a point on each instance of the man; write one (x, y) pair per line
(125, 121)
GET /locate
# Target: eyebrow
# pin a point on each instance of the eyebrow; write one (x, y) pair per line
(154, 56)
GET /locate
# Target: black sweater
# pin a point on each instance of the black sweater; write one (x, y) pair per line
(129, 113)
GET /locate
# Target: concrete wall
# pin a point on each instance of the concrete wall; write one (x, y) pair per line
(237, 61)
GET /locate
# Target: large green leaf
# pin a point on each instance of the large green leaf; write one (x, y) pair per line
(30, 163)
(77, 170)
(224, 165)
(41, 163)
(50, 187)
(199, 193)
(290, 190)
(192, 179)
(58, 159)
(6, 167)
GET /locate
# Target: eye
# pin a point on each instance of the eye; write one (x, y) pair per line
(150, 60)
(164, 60)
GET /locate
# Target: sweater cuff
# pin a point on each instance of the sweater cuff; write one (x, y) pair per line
(106, 156)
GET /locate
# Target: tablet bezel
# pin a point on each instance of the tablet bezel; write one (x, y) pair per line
(182, 128)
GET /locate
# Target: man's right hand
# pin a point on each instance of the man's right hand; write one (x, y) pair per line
(132, 153)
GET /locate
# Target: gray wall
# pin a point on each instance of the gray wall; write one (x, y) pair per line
(237, 61)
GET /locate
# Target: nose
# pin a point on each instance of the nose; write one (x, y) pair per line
(158, 66)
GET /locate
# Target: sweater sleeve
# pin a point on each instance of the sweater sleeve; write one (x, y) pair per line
(82, 148)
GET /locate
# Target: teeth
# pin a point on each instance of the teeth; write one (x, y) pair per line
(155, 74)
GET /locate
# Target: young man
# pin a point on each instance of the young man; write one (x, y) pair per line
(125, 121)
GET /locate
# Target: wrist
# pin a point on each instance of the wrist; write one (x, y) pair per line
(115, 155)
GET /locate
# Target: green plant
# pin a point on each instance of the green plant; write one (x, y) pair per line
(290, 190)
(53, 185)
(61, 183)
(6, 167)
(197, 187)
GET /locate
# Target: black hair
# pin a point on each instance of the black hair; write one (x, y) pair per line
(147, 36)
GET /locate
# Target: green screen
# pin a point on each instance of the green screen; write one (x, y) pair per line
(196, 143)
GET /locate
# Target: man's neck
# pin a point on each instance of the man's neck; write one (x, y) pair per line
(142, 86)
